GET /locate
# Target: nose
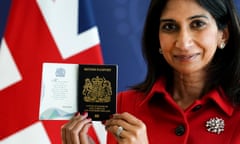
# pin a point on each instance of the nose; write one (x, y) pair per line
(184, 39)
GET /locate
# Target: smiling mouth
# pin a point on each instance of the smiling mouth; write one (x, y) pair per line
(186, 57)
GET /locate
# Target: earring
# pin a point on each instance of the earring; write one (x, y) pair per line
(222, 45)
(160, 50)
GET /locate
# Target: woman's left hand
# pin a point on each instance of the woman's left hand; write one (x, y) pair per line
(127, 129)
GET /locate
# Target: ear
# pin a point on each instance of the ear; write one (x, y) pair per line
(223, 37)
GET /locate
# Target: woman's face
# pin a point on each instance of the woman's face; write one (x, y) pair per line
(188, 36)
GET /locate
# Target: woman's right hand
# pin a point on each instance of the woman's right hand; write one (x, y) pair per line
(75, 131)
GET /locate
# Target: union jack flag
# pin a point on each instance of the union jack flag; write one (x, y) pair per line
(39, 31)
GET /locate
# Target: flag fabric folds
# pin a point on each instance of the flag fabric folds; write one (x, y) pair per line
(40, 31)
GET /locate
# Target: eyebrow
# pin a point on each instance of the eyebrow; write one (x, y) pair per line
(198, 16)
(190, 18)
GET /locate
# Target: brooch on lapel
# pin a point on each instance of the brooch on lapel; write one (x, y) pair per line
(215, 125)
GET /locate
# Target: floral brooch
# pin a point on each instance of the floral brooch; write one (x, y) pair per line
(215, 125)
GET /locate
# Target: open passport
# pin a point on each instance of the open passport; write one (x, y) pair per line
(70, 88)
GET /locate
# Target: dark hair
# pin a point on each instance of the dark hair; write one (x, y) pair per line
(224, 69)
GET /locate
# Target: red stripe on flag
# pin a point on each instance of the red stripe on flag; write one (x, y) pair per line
(31, 44)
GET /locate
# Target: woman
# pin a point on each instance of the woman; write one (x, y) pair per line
(191, 92)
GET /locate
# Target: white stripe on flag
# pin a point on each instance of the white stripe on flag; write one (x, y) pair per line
(34, 134)
(101, 132)
(61, 18)
(9, 73)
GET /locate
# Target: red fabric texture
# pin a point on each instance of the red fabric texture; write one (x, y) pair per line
(162, 116)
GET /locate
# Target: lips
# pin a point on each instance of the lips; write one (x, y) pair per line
(186, 57)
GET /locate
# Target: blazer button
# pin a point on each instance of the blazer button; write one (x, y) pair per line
(180, 130)
(196, 108)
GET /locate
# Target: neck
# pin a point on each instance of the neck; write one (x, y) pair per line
(187, 88)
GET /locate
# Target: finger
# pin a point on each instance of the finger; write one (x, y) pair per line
(71, 134)
(126, 120)
(77, 133)
(86, 127)
(67, 128)
(72, 121)
(78, 118)
(134, 135)
(84, 138)
(133, 127)
(114, 129)
(63, 135)
(132, 120)
(66, 135)
(119, 122)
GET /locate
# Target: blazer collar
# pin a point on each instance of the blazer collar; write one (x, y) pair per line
(217, 96)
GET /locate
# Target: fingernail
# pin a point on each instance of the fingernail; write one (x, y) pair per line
(85, 113)
(106, 127)
(103, 122)
(90, 119)
(77, 113)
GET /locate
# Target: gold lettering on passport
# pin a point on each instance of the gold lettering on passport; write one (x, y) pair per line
(97, 89)
(97, 108)
(97, 69)
(97, 115)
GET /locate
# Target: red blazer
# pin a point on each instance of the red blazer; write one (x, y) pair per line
(167, 123)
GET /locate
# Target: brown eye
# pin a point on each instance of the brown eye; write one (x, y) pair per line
(198, 24)
(169, 27)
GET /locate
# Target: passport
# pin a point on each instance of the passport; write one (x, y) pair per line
(97, 90)
(67, 88)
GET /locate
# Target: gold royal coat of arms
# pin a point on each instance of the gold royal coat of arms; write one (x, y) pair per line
(97, 89)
